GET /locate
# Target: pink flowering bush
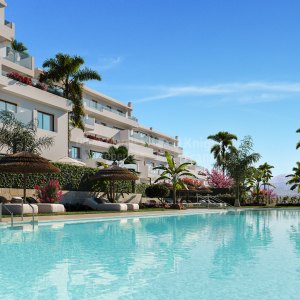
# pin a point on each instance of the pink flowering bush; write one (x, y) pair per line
(216, 179)
(49, 192)
(192, 183)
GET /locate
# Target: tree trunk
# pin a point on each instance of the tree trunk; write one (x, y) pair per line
(174, 195)
(237, 198)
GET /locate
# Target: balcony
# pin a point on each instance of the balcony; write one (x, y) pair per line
(89, 123)
(108, 112)
(22, 59)
(8, 23)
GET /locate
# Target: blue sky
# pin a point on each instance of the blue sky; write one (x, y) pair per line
(191, 68)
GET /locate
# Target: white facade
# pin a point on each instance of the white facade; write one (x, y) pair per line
(108, 121)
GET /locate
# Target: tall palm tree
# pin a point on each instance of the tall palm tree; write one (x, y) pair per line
(174, 174)
(266, 170)
(298, 144)
(223, 147)
(295, 178)
(67, 72)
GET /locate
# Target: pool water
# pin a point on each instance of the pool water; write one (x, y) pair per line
(233, 255)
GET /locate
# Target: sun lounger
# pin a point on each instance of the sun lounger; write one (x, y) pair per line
(93, 204)
(50, 208)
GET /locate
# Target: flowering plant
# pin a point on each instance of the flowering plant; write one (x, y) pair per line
(16, 76)
(193, 183)
(49, 192)
(41, 86)
(216, 179)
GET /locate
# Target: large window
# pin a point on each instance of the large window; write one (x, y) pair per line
(75, 152)
(8, 106)
(45, 121)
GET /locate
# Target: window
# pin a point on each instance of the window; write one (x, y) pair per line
(95, 154)
(8, 106)
(75, 152)
(45, 121)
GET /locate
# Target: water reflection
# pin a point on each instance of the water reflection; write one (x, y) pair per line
(130, 257)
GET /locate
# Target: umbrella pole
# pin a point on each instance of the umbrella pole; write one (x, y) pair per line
(24, 199)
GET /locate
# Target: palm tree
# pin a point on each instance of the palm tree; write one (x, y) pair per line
(295, 178)
(223, 147)
(18, 46)
(66, 72)
(298, 144)
(239, 164)
(174, 174)
(266, 170)
(16, 136)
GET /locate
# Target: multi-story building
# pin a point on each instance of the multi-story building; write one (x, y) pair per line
(108, 121)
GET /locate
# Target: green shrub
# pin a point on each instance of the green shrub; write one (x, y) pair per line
(72, 178)
(157, 191)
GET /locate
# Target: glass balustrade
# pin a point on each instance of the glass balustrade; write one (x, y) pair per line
(22, 59)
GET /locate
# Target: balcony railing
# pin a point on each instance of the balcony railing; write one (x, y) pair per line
(89, 121)
(101, 107)
(8, 24)
(22, 59)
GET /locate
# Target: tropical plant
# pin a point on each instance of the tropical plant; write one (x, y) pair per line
(217, 179)
(298, 144)
(49, 192)
(16, 136)
(266, 170)
(239, 163)
(158, 191)
(223, 147)
(18, 46)
(174, 174)
(295, 178)
(66, 71)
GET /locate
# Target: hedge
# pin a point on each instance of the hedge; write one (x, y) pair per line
(71, 178)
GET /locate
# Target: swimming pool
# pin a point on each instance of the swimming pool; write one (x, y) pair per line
(233, 255)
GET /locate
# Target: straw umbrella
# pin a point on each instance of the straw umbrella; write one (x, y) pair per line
(26, 163)
(113, 174)
(70, 161)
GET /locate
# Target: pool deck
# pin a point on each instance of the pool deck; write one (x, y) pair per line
(110, 215)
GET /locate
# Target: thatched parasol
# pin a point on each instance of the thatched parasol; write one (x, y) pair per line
(70, 161)
(26, 163)
(113, 174)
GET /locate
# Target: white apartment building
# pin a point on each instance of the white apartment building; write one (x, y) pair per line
(108, 121)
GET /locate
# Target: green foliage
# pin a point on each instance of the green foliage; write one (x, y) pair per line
(298, 144)
(295, 178)
(72, 178)
(18, 46)
(17, 136)
(239, 163)
(174, 174)
(222, 149)
(67, 70)
(157, 191)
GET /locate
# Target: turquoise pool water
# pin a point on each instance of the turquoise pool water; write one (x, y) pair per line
(243, 255)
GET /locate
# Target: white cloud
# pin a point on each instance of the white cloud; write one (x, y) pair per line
(249, 92)
(107, 63)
